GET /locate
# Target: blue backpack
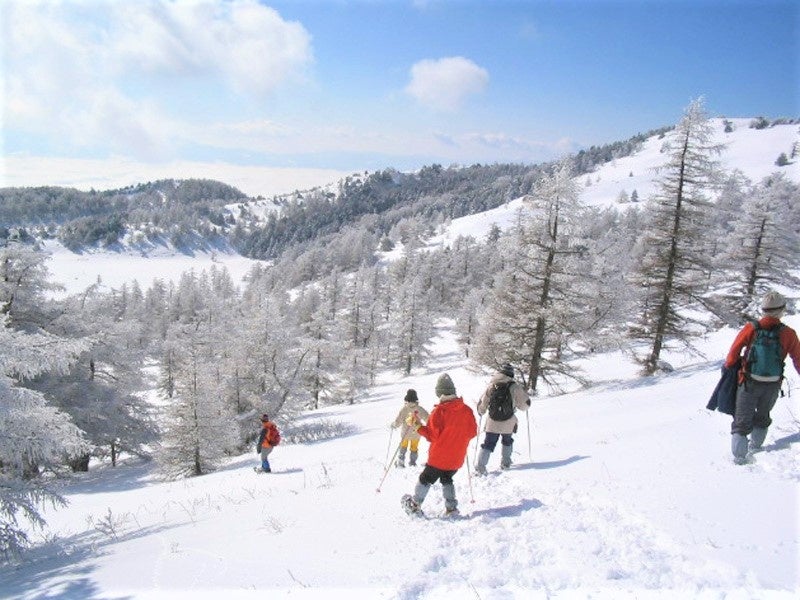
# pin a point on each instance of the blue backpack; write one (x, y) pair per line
(764, 357)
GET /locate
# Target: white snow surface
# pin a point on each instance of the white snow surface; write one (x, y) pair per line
(624, 490)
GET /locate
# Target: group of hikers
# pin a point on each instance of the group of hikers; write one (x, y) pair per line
(754, 364)
(449, 428)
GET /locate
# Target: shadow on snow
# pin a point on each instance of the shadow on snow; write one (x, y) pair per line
(509, 511)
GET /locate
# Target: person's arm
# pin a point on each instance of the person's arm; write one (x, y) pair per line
(521, 399)
(261, 439)
(431, 429)
(483, 402)
(742, 340)
(791, 344)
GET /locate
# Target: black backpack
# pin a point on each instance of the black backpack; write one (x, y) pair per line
(501, 404)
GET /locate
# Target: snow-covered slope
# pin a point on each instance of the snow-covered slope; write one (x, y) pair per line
(623, 491)
(751, 151)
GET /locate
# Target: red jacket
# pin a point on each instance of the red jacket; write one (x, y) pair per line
(788, 338)
(450, 427)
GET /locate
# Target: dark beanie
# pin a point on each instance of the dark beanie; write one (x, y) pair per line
(411, 396)
(507, 369)
(444, 386)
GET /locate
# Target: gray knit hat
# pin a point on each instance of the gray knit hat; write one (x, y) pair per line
(772, 302)
(444, 386)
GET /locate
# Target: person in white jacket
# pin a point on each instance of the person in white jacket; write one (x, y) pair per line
(410, 437)
(509, 396)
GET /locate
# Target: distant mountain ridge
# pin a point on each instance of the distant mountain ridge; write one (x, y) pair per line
(205, 214)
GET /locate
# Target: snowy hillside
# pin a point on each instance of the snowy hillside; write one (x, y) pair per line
(751, 151)
(626, 490)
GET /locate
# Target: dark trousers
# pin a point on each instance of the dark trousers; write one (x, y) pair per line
(490, 441)
(431, 475)
(754, 401)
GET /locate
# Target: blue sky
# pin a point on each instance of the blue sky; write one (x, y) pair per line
(344, 85)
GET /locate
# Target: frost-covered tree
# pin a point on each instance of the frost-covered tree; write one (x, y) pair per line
(673, 265)
(468, 318)
(411, 321)
(200, 428)
(317, 313)
(539, 299)
(764, 247)
(357, 329)
(102, 392)
(24, 286)
(273, 359)
(33, 434)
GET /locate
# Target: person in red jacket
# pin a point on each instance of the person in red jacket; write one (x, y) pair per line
(757, 394)
(267, 440)
(450, 427)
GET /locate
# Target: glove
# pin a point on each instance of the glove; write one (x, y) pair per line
(412, 420)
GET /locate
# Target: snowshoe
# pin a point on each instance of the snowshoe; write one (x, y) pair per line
(453, 513)
(411, 506)
(260, 470)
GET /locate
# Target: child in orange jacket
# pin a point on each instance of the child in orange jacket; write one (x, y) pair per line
(450, 428)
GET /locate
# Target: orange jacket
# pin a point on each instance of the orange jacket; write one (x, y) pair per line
(264, 436)
(450, 427)
(788, 339)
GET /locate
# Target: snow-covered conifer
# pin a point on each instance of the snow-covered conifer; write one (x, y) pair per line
(674, 248)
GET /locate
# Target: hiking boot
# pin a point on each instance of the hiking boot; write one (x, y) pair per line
(757, 437)
(400, 464)
(410, 505)
(451, 512)
(483, 460)
(739, 448)
(505, 460)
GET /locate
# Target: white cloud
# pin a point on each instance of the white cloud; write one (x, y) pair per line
(94, 74)
(444, 84)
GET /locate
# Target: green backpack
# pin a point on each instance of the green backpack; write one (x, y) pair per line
(764, 357)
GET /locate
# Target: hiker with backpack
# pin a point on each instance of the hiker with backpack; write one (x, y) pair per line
(503, 396)
(410, 438)
(450, 428)
(766, 343)
(267, 440)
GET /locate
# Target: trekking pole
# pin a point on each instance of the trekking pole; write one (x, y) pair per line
(389, 447)
(469, 479)
(528, 417)
(477, 438)
(389, 466)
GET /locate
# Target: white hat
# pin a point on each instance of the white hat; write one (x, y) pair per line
(773, 301)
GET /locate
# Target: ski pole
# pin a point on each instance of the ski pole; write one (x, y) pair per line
(469, 479)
